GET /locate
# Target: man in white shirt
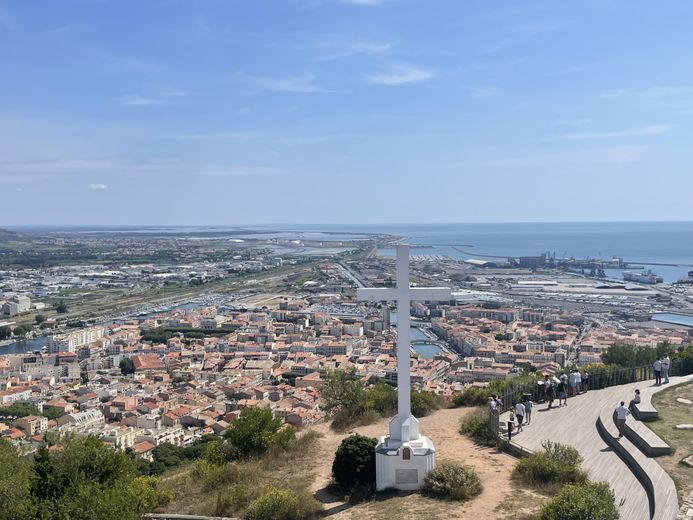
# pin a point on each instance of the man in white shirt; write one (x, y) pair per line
(620, 414)
(657, 367)
(520, 414)
(666, 363)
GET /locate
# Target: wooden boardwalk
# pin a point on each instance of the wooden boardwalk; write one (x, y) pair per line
(575, 424)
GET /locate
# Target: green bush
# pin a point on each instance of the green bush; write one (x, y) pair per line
(354, 463)
(256, 430)
(476, 426)
(209, 474)
(557, 464)
(282, 504)
(453, 481)
(423, 403)
(472, 397)
(274, 504)
(591, 501)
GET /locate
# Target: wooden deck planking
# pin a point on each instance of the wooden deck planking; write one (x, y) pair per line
(575, 425)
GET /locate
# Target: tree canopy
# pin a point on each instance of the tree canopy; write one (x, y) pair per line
(84, 480)
(634, 356)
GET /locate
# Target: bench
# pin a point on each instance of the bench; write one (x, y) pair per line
(644, 411)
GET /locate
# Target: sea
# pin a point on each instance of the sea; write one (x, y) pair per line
(643, 243)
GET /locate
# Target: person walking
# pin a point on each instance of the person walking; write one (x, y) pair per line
(666, 363)
(562, 395)
(657, 367)
(620, 414)
(511, 425)
(550, 390)
(528, 410)
(579, 381)
(520, 414)
(586, 381)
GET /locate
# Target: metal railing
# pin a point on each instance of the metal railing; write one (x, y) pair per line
(599, 377)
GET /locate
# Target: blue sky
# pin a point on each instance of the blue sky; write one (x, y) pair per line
(344, 111)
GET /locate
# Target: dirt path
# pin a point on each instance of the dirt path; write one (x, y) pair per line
(500, 498)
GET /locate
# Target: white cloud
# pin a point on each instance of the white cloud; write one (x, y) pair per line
(165, 97)
(331, 51)
(482, 92)
(363, 2)
(627, 132)
(99, 186)
(135, 100)
(402, 75)
(20, 189)
(242, 171)
(653, 92)
(305, 83)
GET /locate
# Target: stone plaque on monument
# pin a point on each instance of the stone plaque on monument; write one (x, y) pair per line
(406, 476)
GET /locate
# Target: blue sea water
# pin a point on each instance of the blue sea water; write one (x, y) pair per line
(639, 242)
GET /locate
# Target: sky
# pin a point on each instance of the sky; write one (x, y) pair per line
(237, 112)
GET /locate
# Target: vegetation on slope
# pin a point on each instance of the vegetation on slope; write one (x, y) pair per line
(82, 480)
(349, 401)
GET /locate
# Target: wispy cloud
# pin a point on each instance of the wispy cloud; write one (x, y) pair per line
(626, 132)
(165, 97)
(402, 75)
(242, 171)
(305, 83)
(584, 156)
(482, 92)
(653, 92)
(363, 2)
(135, 100)
(331, 51)
(99, 186)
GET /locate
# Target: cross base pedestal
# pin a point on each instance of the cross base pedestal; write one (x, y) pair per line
(403, 465)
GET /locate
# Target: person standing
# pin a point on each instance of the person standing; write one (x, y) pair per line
(579, 380)
(562, 395)
(621, 413)
(586, 381)
(548, 385)
(528, 410)
(657, 367)
(520, 414)
(666, 363)
(511, 425)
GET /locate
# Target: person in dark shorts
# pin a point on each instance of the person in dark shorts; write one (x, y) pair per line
(528, 410)
(562, 395)
(548, 385)
(520, 414)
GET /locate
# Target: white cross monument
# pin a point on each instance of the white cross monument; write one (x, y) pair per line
(404, 458)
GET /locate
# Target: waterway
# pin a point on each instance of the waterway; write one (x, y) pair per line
(676, 319)
(425, 350)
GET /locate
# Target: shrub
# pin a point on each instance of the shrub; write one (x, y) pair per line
(210, 475)
(558, 464)
(256, 430)
(282, 504)
(476, 426)
(591, 501)
(354, 462)
(274, 504)
(423, 403)
(453, 481)
(472, 397)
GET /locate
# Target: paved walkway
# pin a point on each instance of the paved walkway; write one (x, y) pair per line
(575, 424)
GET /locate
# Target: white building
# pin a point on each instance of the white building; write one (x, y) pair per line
(72, 341)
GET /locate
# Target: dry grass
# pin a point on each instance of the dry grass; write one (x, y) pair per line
(199, 489)
(672, 413)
